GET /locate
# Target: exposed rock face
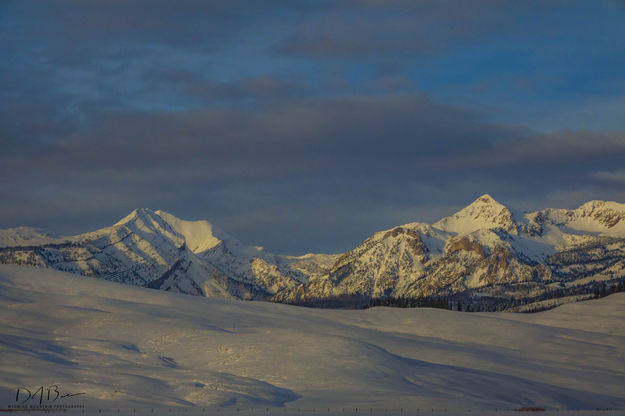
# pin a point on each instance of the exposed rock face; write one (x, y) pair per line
(380, 264)
(484, 248)
(465, 244)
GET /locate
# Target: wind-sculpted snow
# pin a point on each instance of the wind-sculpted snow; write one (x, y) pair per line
(488, 254)
(134, 347)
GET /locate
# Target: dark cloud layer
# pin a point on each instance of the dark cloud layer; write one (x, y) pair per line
(300, 166)
(301, 126)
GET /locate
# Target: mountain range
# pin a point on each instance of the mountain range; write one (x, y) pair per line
(486, 253)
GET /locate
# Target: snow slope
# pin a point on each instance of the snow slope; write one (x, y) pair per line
(27, 236)
(135, 347)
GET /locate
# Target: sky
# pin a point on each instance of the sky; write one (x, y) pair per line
(305, 126)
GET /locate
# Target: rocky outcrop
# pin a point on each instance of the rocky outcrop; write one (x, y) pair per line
(465, 244)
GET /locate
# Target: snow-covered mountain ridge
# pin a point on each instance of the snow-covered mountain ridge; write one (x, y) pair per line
(156, 249)
(485, 249)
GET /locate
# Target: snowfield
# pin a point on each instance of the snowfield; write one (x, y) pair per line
(131, 347)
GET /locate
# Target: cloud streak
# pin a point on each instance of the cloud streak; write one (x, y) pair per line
(615, 177)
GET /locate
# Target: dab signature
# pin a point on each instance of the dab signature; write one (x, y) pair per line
(49, 393)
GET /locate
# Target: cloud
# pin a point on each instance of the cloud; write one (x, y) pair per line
(309, 170)
(197, 89)
(292, 124)
(325, 134)
(616, 177)
(554, 149)
(196, 22)
(403, 29)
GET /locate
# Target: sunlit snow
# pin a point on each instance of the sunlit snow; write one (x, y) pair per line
(128, 346)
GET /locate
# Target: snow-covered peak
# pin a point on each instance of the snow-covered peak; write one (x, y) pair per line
(483, 213)
(132, 216)
(145, 220)
(599, 217)
(601, 207)
(485, 199)
(27, 236)
(199, 235)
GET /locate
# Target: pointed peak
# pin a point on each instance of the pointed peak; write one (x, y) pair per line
(486, 199)
(483, 213)
(199, 235)
(136, 213)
